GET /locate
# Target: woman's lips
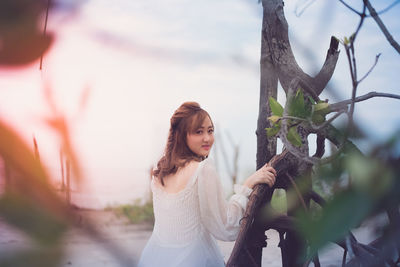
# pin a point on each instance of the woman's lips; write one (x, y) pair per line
(206, 147)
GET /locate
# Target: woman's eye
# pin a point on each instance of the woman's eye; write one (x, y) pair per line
(199, 132)
(211, 131)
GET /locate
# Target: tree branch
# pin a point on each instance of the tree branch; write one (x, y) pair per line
(338, 139)
(317, 198)
(44, 32)
(343, 104)
(266, 147)
(388, 7)
(362, 15)
(291, 118)
(382, 26)
(318, 128)
(379, 12)
(372, 67)
(282, 56)
(320, 146)
(303, 203)
(282, 163)
(326, 72)
(350, 53)
(349, 7)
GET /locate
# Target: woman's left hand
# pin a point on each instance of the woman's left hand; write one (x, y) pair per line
(265, 175)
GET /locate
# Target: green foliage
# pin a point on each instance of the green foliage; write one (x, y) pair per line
(294, 137)
(274, 119)
(276, 108)
(320, 106)
(278, 200)
(298, 107)
(365, 185)
(31, 205)
(335, 220)
(136, 213)
(49, 257)
(38, 223)
(361, 185)
(44, 229)
(318, 119)
(333, 170)
(321, 109)
(277, 113)
(369, 175)
(346, 41)
(273, 130)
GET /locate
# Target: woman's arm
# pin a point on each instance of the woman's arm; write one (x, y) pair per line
(219, 216)
(265, 175)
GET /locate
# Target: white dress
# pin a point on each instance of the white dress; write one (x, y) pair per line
(187, 222)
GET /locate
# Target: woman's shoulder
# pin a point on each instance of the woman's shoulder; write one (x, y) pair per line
(209, 162)
(207, 166)
(208, 176)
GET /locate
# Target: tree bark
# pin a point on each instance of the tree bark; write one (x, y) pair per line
(277, 62)
(266, 147)
(253, 225)
(282, 54)
(254, 241)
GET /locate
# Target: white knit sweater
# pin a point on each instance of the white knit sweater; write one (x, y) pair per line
(200, 207)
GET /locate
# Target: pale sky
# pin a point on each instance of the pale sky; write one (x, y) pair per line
(141, 59)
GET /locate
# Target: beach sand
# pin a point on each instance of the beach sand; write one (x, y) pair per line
(82, 250)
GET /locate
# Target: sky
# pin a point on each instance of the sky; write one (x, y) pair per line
(139, 60)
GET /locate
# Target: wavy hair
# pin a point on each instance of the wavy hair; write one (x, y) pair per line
(186, 119)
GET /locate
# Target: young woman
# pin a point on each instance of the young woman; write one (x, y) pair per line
(189, 205)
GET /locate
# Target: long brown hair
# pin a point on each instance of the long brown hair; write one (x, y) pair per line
(186, 119)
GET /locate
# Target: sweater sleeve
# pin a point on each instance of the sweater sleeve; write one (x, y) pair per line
(220, 217)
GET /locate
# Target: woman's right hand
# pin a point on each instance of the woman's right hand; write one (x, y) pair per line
(265, 175)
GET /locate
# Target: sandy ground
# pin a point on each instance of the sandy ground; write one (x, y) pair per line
(81, 250)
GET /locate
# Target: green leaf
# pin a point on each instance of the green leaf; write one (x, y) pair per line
(294, 137)
(312, 101)
(333, 223)
(333, 170)
(34, 256)
(31, 218)
(273, 119)
(321, 106)
(369, 175)
(318, 118)
(308, 109)
(276, 108)
(273, 131)
(296, 105)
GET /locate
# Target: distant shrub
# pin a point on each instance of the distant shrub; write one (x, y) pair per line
(136, 212)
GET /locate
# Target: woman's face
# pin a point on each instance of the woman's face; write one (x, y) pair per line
(202, 139)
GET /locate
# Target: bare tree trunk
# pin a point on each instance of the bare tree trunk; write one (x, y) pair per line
(266, 147)
(277, 62)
